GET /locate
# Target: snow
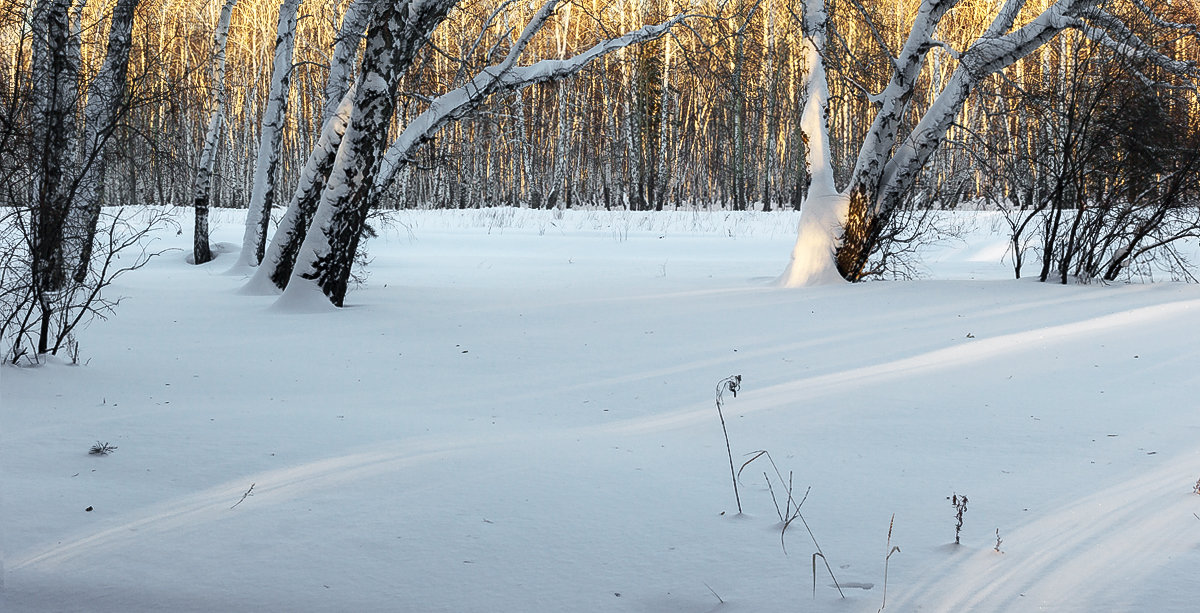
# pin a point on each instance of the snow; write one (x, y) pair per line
(515, 413)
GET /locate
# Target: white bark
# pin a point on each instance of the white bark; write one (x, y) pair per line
(262, 195)
(996, 50)
(272, 275)
(662, 172)
(345, 50)
(894, 99)
(824, 210)
(201, 251)
(55, 73)
(104, 101)
(503, 77)
(326, 256)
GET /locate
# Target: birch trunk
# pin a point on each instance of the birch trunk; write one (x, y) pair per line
(262, 198)
(662, 174)
(397, 32)
(345, 51)
(104, 104)
(823, 213)
(201, 250)
(55, 81)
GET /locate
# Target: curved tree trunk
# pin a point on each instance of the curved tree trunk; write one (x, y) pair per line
(262, 198)
(823, 213)
(397, 32)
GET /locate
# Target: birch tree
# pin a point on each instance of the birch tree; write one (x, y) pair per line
(202, 188)
(105, 99)
(262, 196)
(280, 256)
(55, 75)
(840, 229)
(363, 167)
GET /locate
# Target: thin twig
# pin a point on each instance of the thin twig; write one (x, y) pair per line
(714, 593)
(243, 498)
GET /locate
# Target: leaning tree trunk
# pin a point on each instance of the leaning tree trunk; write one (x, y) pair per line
(201, 250)
(397, 32)
(331, 242)
(105, 104)
(345, 51)
(262, 198)
(280, 257)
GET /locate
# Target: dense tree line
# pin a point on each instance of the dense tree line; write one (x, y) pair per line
(707, 117)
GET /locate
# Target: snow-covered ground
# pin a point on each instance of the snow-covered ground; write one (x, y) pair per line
(516, 413)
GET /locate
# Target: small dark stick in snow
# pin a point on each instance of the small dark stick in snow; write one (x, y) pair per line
(243, 498)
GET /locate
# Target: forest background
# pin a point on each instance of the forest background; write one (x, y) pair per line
(708, 116)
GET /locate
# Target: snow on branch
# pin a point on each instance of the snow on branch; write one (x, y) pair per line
(503, 77)
(1113, 33)
(893, 100)
(1163, 23)
(553, 70)
(1004, 19)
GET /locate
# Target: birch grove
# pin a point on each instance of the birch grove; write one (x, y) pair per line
(859, 113)
(362, 166)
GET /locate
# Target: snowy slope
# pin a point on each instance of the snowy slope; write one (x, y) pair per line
(516, 414)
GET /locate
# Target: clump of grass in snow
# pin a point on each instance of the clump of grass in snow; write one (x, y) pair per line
(790, 513)
(102, 449)
(960, 507)
(1196, 488)
(791, 507)
(998, 541)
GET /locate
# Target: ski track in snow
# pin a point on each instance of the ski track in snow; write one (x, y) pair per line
(1083, 557)
(214, 504)
(970, 351)
(1060, 562)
